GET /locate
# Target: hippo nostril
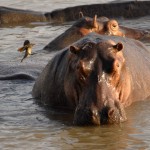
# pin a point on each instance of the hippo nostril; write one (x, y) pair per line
(121, 111)
(111, 112)
(113, 116)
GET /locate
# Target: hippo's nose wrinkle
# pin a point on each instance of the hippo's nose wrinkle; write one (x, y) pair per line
(95, 112)
(95, 117)
(113, 116)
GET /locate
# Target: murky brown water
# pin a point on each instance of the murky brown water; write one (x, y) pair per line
(25, 125)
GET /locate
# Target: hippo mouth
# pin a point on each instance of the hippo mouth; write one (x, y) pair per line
(85, 116)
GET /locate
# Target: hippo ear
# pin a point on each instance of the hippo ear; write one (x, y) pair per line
(81, 14)
(74, 49)
(119, 46)
(95, 25)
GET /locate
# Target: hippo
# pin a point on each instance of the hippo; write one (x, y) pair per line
(131, 9)
(82, 27)
(96, 77)
(125, 9)
(86, 25)
(12, 16)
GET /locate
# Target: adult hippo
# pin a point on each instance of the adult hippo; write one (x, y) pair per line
(96, 77)
(12, 16)
(86, 25)
(131, 9)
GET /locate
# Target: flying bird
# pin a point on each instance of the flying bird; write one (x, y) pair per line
(27, 47)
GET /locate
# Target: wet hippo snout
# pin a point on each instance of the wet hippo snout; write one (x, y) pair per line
(86, 116)
(94, 116)
(115, 114)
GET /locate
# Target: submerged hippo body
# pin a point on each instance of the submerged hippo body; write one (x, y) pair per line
(86, 25)
(12, 16)
(97, 77)
(129, 9)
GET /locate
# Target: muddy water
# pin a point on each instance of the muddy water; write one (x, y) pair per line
(26, 125)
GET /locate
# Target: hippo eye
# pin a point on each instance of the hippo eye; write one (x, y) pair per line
(113, 25)
(87, 46)
(108, 66)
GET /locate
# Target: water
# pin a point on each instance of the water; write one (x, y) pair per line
(47, 5)
(26, 125)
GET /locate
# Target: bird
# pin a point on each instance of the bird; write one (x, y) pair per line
(27, 47)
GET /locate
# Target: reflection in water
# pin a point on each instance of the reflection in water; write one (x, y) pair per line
(26, 125)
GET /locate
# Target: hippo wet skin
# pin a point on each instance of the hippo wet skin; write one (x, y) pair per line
(12, 16)
(97, 77)
(102, 25)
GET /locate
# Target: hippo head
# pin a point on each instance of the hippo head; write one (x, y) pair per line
(84, 26)
(101, 25)
(96, 70)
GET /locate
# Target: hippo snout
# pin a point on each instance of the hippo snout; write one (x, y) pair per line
(86, 116)
(94, 116)
(113, 114)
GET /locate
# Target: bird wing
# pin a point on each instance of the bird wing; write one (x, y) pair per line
(21, 49)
